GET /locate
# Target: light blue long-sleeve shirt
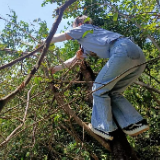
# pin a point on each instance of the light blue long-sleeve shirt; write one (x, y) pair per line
(97, 40)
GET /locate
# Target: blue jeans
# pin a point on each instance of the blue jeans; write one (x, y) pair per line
(108, 101)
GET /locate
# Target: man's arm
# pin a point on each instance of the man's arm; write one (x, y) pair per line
(60, 37)
(69, 63)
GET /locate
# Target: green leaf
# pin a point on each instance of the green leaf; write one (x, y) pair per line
(115, 16)
(37, 80)
(27, 154)
(87, 32)
(45, 157)
(87, 20)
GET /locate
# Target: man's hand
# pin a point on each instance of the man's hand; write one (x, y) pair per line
(69, 63)
(79, 54)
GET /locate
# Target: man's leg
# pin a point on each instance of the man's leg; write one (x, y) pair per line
(123, 111)
(108, 77)
(115, 70)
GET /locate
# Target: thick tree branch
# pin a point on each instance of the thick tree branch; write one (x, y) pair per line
(147, 86)
(13, 51)
(20, 58)
(60, 11)
(70, 112)
(78, 140)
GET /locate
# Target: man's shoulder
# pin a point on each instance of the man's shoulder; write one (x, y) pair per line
(89, 26)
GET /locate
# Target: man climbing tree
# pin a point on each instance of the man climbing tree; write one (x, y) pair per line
(122, 69)
(45, 116)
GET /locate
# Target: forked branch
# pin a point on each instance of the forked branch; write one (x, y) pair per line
(60, 11)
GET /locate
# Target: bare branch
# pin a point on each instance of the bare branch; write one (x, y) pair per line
(78, 140)
(34, 132)
(153, 77)
(70, 112)
(20, 58)
(156, 99)
(13, 51)
(148, 87)
(44, 51)
(23, 121)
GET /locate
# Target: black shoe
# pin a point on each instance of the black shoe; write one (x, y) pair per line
(105, 135)
(137, 128)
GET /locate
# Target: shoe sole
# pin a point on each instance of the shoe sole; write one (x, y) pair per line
(99, 133)
(137, 131)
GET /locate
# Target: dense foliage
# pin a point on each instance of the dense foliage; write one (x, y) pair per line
(33, 125)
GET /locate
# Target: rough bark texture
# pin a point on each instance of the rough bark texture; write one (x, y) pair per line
(120, 147)
(87, 75)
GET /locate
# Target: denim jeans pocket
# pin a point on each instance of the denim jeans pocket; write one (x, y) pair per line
(127, 48)
(133, 51)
